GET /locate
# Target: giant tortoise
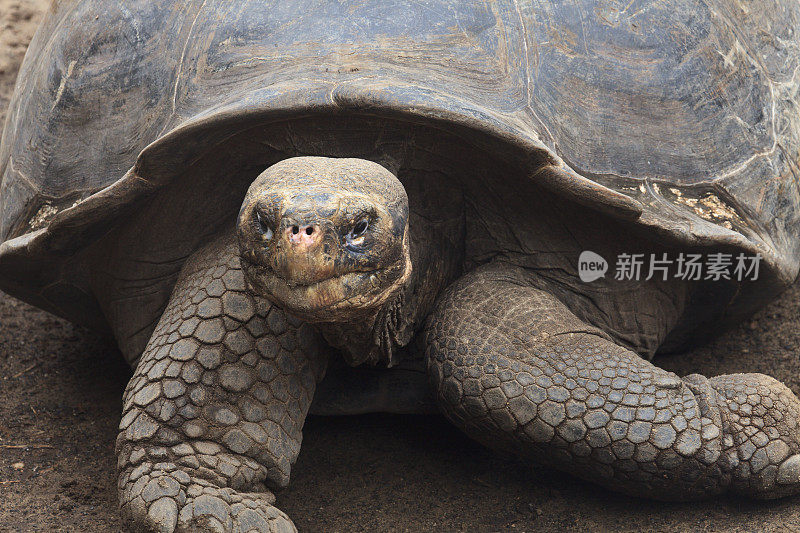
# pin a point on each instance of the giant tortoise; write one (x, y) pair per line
(256, 197)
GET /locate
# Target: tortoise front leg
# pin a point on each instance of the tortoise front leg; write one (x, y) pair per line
(514, 368)
(212, 417)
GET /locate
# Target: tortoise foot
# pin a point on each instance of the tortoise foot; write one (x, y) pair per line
(166, 499)
(761, 434)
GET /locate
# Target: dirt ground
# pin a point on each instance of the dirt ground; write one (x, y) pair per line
(61, 387)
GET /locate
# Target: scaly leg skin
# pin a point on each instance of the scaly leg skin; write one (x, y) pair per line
(213, 415)
(515, 369)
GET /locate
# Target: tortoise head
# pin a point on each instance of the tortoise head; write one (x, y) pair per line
(325, 239)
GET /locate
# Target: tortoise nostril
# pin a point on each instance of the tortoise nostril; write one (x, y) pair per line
(303, 234)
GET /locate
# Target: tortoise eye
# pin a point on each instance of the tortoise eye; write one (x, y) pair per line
(359, 229)
(264, 225)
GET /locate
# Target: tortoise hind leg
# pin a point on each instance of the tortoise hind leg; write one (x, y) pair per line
(513, 367)
(212, 417)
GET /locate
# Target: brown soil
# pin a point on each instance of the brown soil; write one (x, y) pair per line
(60, 391)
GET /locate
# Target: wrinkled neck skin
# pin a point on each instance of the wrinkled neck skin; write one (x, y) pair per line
(384, 337)
(379, 336)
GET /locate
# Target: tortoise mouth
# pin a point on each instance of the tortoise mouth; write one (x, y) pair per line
(310, 283)
(337, 297)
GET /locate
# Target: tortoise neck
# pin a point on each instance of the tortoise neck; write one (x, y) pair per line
(382, 337)
(378, 336)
